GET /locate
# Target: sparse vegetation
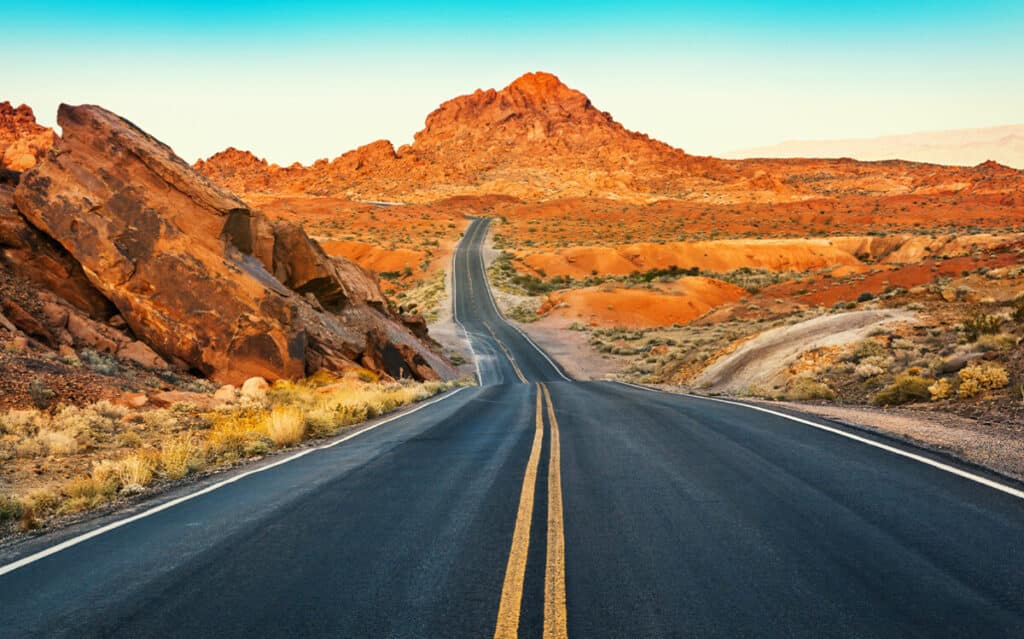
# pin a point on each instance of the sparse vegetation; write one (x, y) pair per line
(105, 440)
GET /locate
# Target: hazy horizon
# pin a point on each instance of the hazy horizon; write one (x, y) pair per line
(314, 80)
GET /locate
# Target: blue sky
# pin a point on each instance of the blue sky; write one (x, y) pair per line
(304, 80)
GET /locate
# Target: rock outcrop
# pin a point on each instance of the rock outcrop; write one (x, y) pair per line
(203, 280)
(22, 141)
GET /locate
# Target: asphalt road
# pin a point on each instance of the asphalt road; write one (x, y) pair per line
(535, 506)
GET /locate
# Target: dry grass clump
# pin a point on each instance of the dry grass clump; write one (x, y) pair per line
(286, 425)
(181, 456)
(129, 474)
(57, 442)
(238, 432)
(11, 509)
(84, 493)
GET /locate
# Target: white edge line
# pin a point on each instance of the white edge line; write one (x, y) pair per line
(455, 316)
(74, 541)
(1009, 490)
(487, 283)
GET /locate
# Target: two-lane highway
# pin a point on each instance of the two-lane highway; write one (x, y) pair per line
(536, 506)
(504, 354)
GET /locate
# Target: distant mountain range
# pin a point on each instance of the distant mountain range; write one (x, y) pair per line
(959, 147)
(538, 139)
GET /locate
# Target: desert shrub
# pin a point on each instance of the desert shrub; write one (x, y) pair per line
(38, 503)
(980, 324)
(129, 439)
(904, 390)
(41, 394)
(997, 342)
(102, 363)
(806, 388)
(58, 442)
(159, 419)
(940, 390)
(135, 471)
(109, 411)
(1018, 310)
(11, 509)
(524, 313)
(978, 378)
(286, 425)
(867, 348)
(866, 296)
(84, 493)
(131, 473)
(865, 370)
(21, 422)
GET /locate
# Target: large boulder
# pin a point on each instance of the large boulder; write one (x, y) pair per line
(192, 269)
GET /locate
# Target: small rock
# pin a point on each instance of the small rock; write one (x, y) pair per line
(133, 400)
(164, 399)
(26, 323)
(948, 294)
(82, 329)
(255, 388)
(19, 344)
(55, 314)
(66, 352)
(117, 322)
(226, 394)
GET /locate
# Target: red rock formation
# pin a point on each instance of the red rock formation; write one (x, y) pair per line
(192, 269)
(22, 141)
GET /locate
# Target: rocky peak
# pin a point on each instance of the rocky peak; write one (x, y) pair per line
(534, 104)
(232, 158)
(543, 89)
(22, 141)
(22, 112)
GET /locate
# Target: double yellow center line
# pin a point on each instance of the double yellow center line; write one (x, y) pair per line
(515, 572)
(508, 355)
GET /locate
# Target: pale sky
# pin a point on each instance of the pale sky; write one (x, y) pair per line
(301, 81)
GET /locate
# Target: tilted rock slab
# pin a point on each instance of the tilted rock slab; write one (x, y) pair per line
(192, 269)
